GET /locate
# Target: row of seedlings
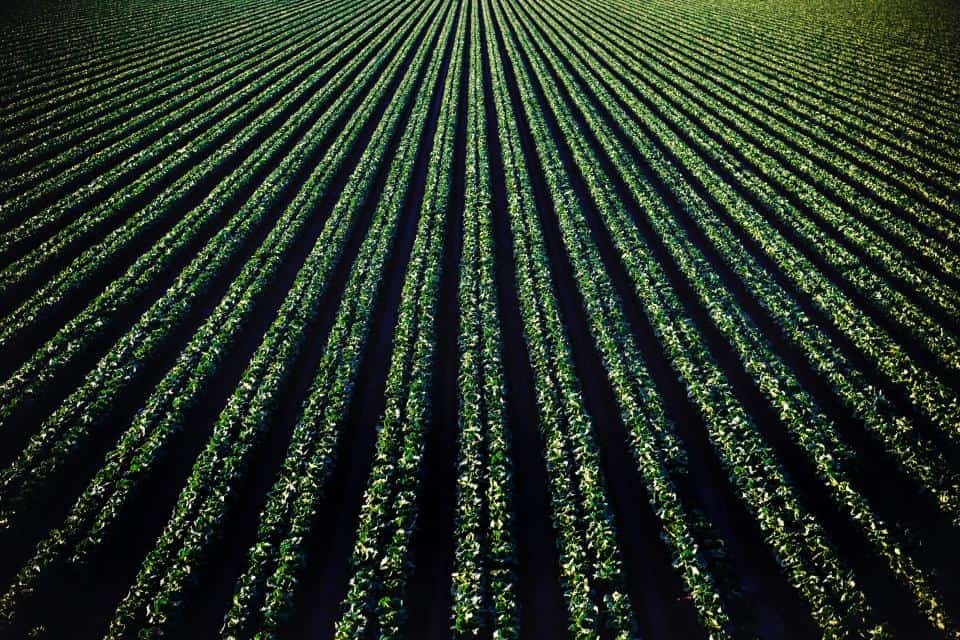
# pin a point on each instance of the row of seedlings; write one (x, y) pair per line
(653, 443)
(380, 562)
(64, 83)
(792, 530)
(837, 145)
(874, 228)
(683, 138)
(83, 411)
(768, 181)
(922, 87)
(484, 582)
(862, 86)
(898, 128)
(102, 102)
(590, 564)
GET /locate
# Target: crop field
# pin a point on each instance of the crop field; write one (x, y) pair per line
(493, 319)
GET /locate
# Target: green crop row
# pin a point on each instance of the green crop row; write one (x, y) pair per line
(865, 125)
(484, 583)
(380, 561)
(847, 77)
(125, 183)
(853, 154)
(590, 565)
(194, 225)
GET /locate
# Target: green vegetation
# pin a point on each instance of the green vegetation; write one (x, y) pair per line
(480, 319)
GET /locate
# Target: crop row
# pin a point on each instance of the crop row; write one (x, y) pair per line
(873, 129)
(857, 150)
(140, 446)
(484, 584)
(590, 564)
(380, 561)
(264, 592)
(655, 447)
(45, 28)
(920, 458)
(825, 357)
(706, 302)
(832, 233)
(761, 217)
